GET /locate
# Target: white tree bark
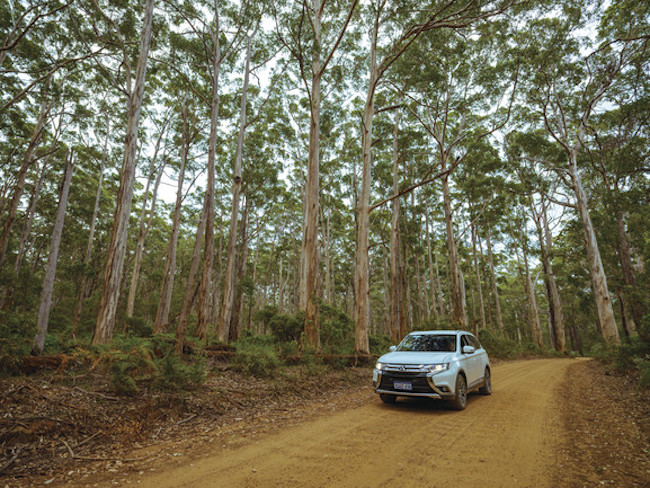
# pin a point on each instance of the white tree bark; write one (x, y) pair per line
(479, 284)
(50, 271)
(144, 227)
(396, 301)
(598, 277)
(164, 303)
(117, 248)
(495, 289)
(28, 160)
(203, 306)
(457, 285)
(230, 285)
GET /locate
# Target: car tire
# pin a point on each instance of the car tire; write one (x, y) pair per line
(388, 399)
(460, 400)
(486, 389)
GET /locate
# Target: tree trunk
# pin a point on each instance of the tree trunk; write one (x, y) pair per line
(190, 287)
(328, 259)
(83, 286)
(362, 270)
(596, 270)
(434, 303)
(203, 312)
(479, 285)
(29, 216)
(524, 275)
(309, 249)
(495, 290)
(441, 301)
(230, 285)
(144, 229)
(556, 319)
(457, 295)
(28, 160)
(50, 272)
(488, 302)
(631, 290)
(242, 261)
(164, 303)
(533, 309)
(117, 248)
(388, 329)
(396, 300)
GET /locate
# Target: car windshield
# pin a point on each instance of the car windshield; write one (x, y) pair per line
(428, 343)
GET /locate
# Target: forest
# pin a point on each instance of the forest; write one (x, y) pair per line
(325, 175)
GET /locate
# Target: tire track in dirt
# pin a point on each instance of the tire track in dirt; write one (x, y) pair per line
(507, 439)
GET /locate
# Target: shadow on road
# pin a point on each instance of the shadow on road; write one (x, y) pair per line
(424, 405)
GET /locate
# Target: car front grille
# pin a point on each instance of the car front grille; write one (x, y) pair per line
(419, 382)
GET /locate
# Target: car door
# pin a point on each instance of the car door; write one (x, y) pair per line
(472, 361)
(482, 355)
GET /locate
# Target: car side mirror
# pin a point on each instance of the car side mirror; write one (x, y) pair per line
(469, 349)
(392, 348)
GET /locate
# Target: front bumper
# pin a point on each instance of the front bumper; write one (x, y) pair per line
(423, 384)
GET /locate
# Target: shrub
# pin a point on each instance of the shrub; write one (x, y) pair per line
(139, 327)
(256, 359)
(175, 374)
(17, 332)
(336, 331)
(634, 353)
(264, 315)
(379, 344)
(603, 352)
(287, 328)
(133, 361)
(498, 347)
(126, 367)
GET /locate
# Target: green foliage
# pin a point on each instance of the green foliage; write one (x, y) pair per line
(133, 363)
(643, 365)
(287, 328)
(264, 315)
(17, 332)
(497, 347)
(175, 374)
(336, 331)
(379, 344)
(10, 365)
(139, 327)
(256, 358)
(634, 353)
(505, 348)
(126, 367)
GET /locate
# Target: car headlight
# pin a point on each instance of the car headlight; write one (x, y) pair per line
(437, 368)
(379, 366)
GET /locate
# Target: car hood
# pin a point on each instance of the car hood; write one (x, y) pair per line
(409, 357)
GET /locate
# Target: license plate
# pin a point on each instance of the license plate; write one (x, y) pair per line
(403, 385)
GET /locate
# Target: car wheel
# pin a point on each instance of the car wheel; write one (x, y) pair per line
(460, 401)
(387, 398)
(486, 389)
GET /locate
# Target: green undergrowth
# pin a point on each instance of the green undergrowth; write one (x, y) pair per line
(505, 348)
(132, 364)
(633, 355)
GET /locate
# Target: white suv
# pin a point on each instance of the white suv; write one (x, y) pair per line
(441, 364)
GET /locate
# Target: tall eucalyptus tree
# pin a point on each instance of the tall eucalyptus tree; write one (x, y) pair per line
(567, 88)
(394, 27)
(313, 58)
(113, 271)
(50, 273)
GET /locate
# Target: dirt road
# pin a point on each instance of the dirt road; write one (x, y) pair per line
(504, 440)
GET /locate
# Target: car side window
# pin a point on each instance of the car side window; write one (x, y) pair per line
(464, 342)
(473, 341)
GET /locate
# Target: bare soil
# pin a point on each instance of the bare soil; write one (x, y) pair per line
(549, 423)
